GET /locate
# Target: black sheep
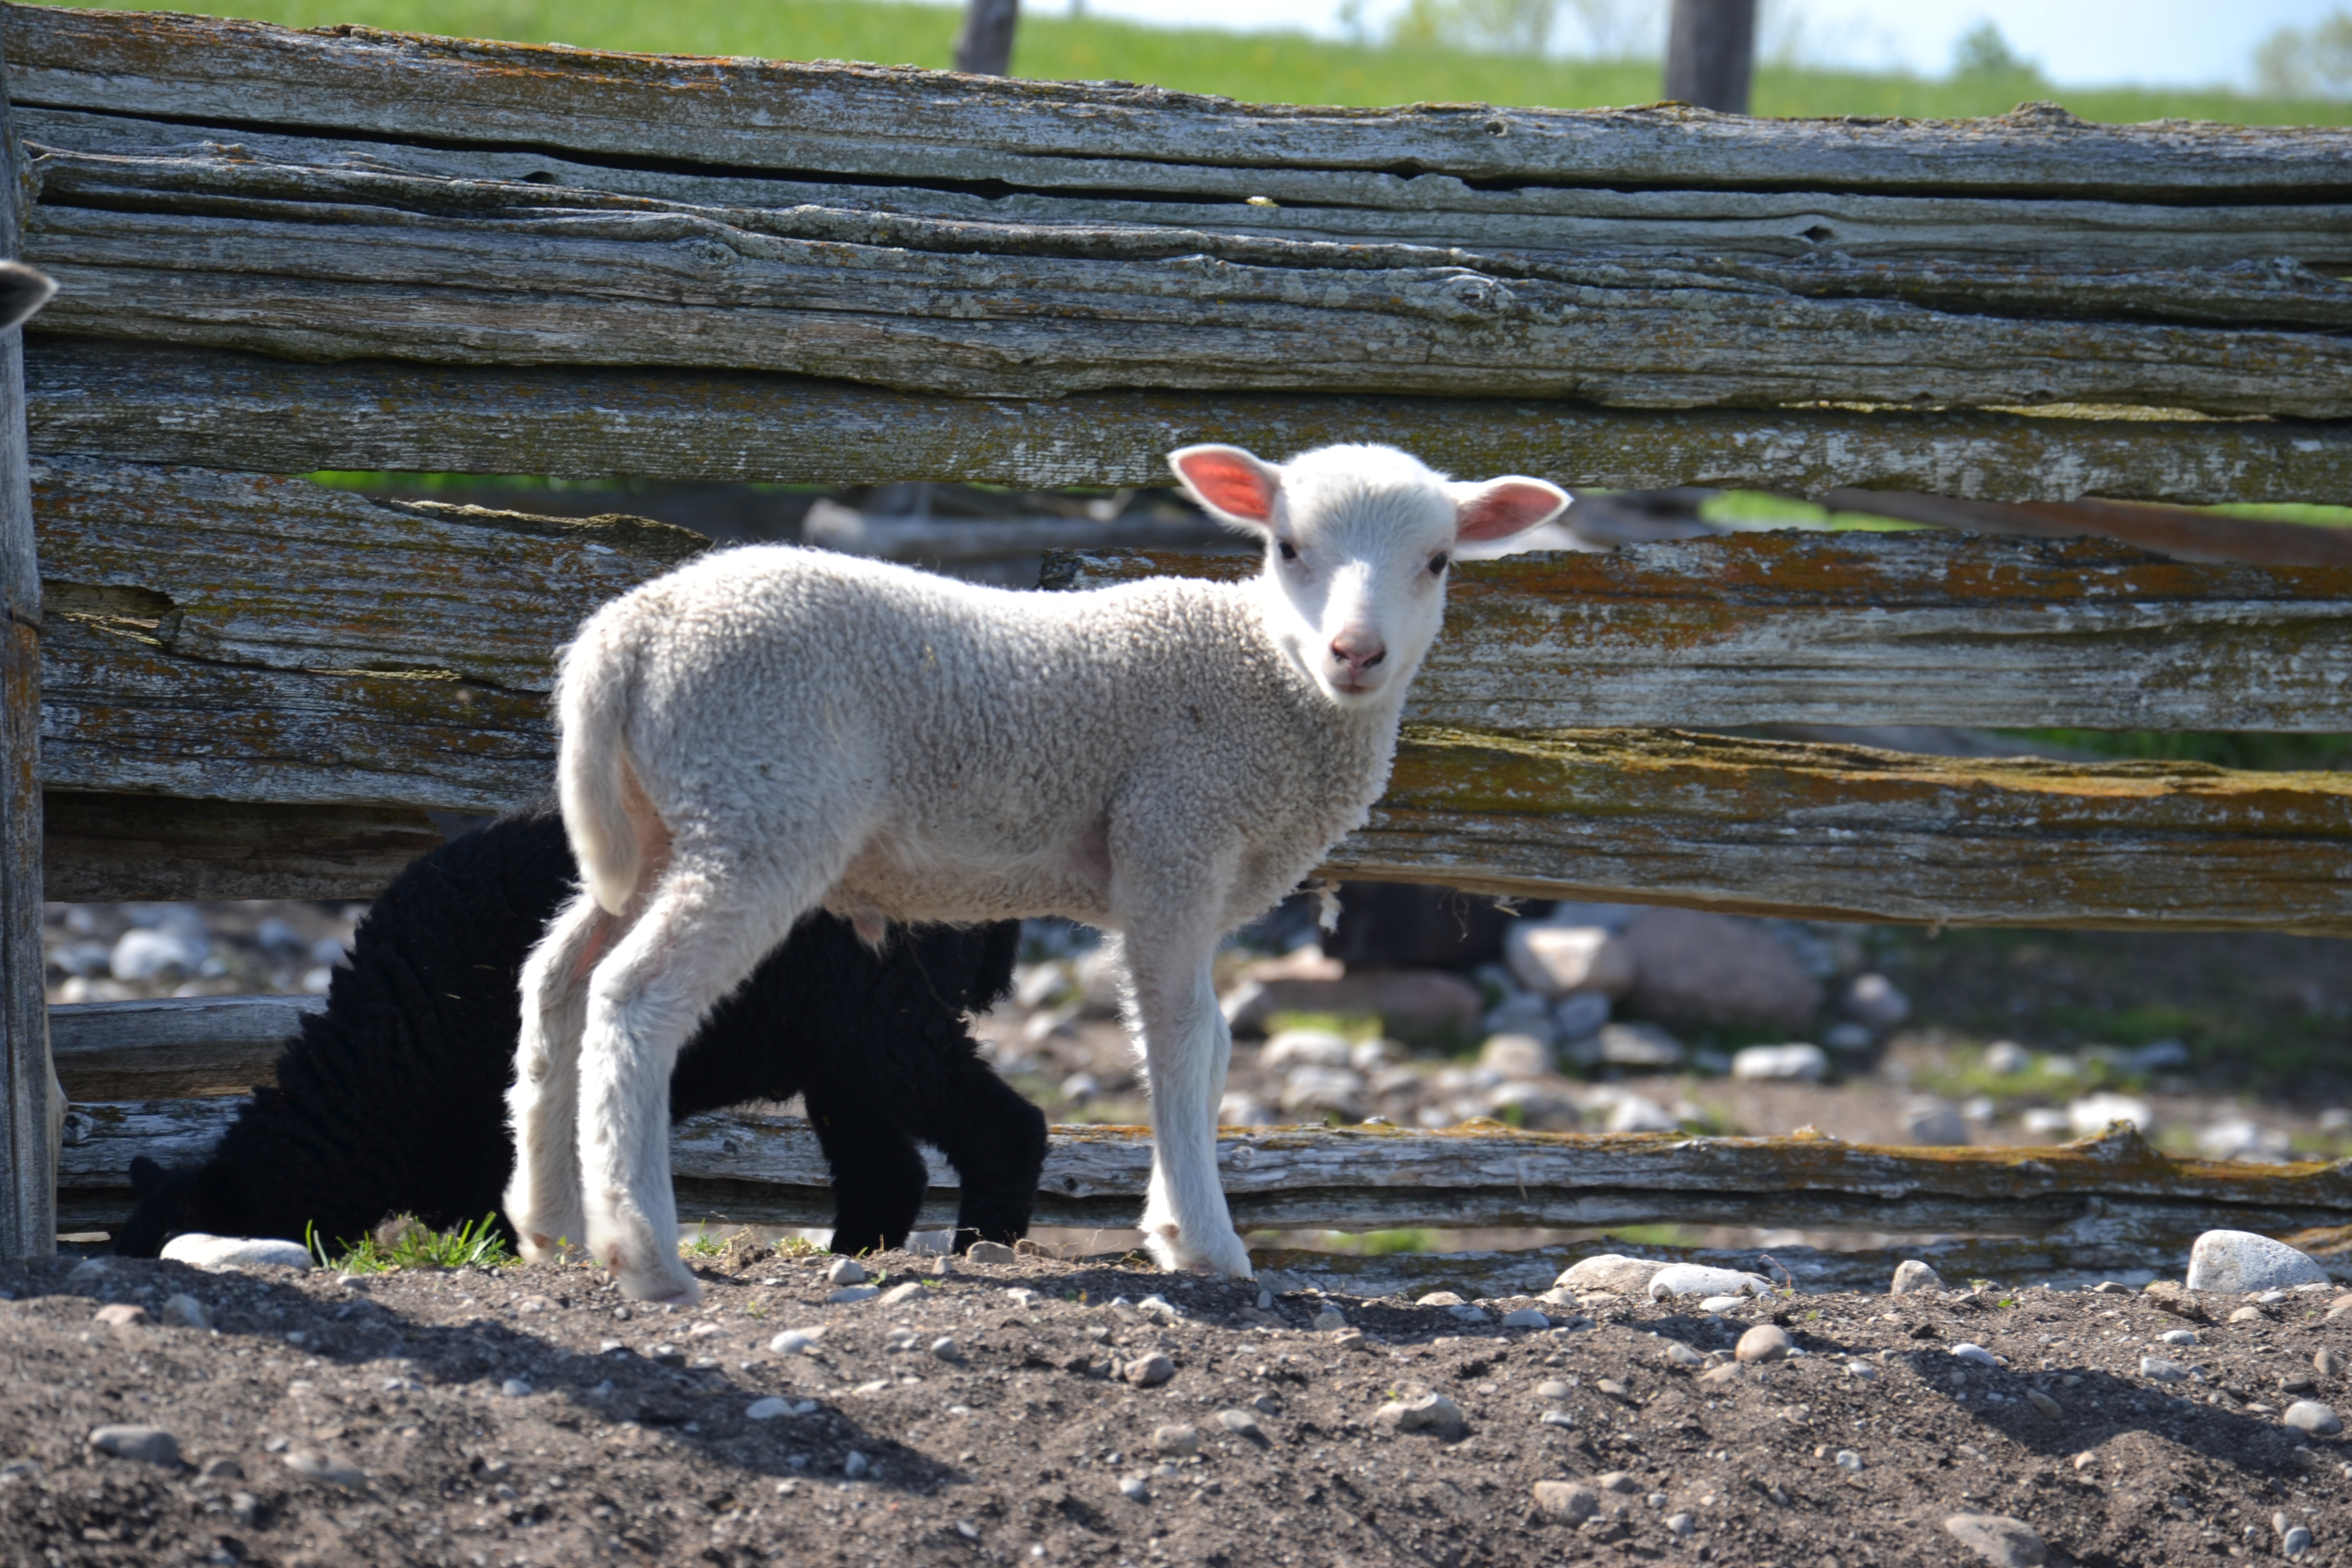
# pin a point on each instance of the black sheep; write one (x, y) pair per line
(392, 1101)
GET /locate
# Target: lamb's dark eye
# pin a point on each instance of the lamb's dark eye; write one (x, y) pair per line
(1289, 551)
(1437, 562)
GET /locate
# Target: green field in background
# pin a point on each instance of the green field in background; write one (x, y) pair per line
(1261, 67)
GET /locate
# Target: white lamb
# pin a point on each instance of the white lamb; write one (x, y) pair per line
(770, 730)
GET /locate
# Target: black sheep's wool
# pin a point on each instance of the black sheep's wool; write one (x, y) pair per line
(393, 1102)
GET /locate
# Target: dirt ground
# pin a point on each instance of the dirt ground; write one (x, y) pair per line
(527, 1415)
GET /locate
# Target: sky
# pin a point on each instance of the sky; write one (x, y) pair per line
(2081, 43)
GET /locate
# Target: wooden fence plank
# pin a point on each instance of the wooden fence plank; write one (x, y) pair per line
(326, 264)
(174, 1048)
(1848, 833)
(153, 404)
(108, 849)
(1793, 628)
(2046, 244)
(756, 1168)
(914, 124)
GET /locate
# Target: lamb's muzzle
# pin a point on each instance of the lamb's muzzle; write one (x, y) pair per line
(771, 729)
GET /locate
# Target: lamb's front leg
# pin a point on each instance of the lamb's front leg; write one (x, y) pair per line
(543, 1196)
(1185, 1044)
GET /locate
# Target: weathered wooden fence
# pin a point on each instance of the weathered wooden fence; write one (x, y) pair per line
(282, 251)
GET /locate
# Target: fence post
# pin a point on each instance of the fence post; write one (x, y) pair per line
(28, 1218)
(1711, 53)
(984, 47)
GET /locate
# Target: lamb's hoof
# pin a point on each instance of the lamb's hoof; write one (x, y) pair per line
(1228, 1256)
(659, 1286)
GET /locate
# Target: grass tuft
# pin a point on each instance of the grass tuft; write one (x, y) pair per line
(406, 1242)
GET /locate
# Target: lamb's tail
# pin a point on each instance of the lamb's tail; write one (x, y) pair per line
(594, 690)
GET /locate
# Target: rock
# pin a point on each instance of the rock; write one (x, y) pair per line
(1241, 1423)
(2310, 1415)
(1617, 1481)
(2045, 1403)
(1613, 1389)
(2157, 1368)
(1934, 1123)
(1556, 960)
(1913, 1275)
(1518, 1056)
(897, 1294)
(146, 955)
(184, 1311)
(1330, 1320)
(1698, 1279)
(1351, 1340)
(2179, 1336)
(1134, 1491)
(2047, 1121)
(1182, 1441)
(855, 1464)
(1375, 1056)
(703, 1330)
(148, 1444)
(90, 1270)
(945, 1348)
(1304, 1048)
(1681, 1524)
(1692, 968)
(845, 1271)
(2006, 1058)
(1677, 1353)
(1796, 1062)
(1764, 1342)
(2235, 1261)
(2171, 1296)
(1729, 1371)
(1579, 1017)
(515, 1388)
(2295, 1541)
(1309, 1089)
(1412, 1004)
(768, 1409)
(2248, 1315)
(1429, 1413)
(2003, 1542)
(1610, 1271)
(221, 1469)
(1526, 1317)
(1571, 1500)
(1976, 1355)
(2326, 1363)
(1524, 1012)
(1863, 1370)
(995, 1253)
(120, 1315)
(1440, 1299)
(852, 1293)
(1722, 1303)
(201, 1251)
(1640, 1048)
(331, 1468)
(793, 1341)
(1148, 1370)
(2089, 1116)
(1847, 1460)
(1873, 999)
(1633, 1113)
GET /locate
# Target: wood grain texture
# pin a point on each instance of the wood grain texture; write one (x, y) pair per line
(922, 124)
(767, 1169)
(2049, 243)
(305, 263)
(110, 848)
(1849, 832)
(1857, 628)
(229, 410)
(174, 1048)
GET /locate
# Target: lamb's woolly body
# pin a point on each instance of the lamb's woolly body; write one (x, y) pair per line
(392, 1099)
(771, 729)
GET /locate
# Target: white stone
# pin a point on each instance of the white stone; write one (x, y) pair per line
(2158, 1370)
(2089, 1116)
(850, 1293)
(1304, 1048)
(1429, 1413)
(2006, 1058)
(1796, 1062)
(1874, 1000)
(1644, 1047)
(1913, 1275)
(1134, 1491)
(1526, 1317)
(1518, 1056)
(1698, 1279)
(1571, 1500)
(1555, 961)
(768, 1409)
(1610, 1271)
(328, 1468)
(1847, 1459)
(2239, 1139)
(897, 1294)
(148, 1444)
(1934, 1123)
(2236, 1261)
(1723, 1303)
(1182, 1441)
(185, 1312)
(2179, 1336)
(201, 1251)
(515, 1388)
(1637, 1113)
(1240, 1423)
(147, 956)
(1764, 1342)
(2047, 1121)
(796, 1341)
(944, 1348)
(2310, 1415)
(2001, 1541)
(1975, 1354)
(845, 1271)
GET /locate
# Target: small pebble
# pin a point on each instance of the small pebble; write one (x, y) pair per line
(2045, 1403)
(1764, 1342)
(1976, 1355)
(1847, 1459)
(318, 1466)
(2295, 1541)
(855, 1464)
(1148, 1371)
(1440, 1299)
(149, 1444)
(1616, 1481)
(768, 1409)
(1571, 1500)
(1863, 1370)
(845, 1271)
(1718, 1304)
(2003, 1542)
(802, 1340)
(183, 1310)
(1613, 1388)
(2326, 1363)
(1184, 1441)
(2248, 1315)
(1682, 1524)
(1913, 1275)
(1240, 1423)
(849, 1293)
(944, 1348)
(2179, 1336)
(515, 1388)
(1553, 1388)
(2161, 1370)
(1023, 1297)
(121, 1315)
(1526, 1317)
(1134, 1489)
(221, 1470)
(1330, 1318)
(991, 1252)
(1680, 1354)
(1429, 1413)
(2310, 1415)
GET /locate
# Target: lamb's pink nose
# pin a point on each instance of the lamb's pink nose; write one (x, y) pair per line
(1356, 652)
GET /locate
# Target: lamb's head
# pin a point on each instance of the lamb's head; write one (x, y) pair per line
(1357, 543)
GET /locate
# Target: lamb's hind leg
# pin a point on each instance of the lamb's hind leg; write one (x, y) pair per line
(543, 1196)
(1185, 1043)
(705, 929)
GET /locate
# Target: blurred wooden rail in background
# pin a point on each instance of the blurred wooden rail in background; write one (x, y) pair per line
(548, 261)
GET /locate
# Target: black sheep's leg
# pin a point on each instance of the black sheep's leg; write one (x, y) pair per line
(878, 1174)
(996, 1141)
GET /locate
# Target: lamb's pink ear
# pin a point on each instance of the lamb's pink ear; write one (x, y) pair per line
(1497, 509)
(1233, 485)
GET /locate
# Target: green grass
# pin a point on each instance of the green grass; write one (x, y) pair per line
(406, 1244)
(1350, 1026)
(1260, 67)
